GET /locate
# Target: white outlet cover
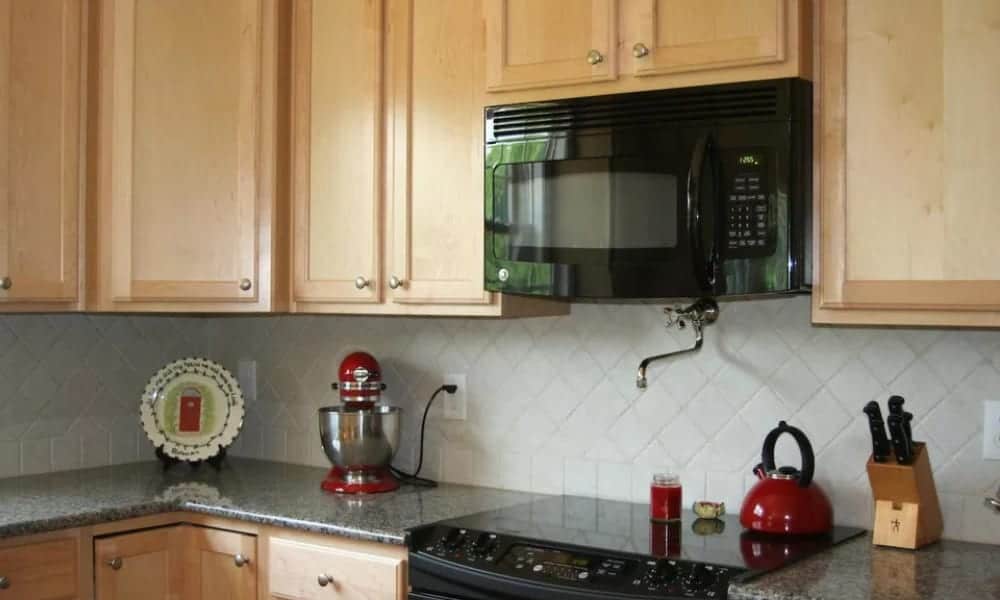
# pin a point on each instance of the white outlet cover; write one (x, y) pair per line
(991, 429)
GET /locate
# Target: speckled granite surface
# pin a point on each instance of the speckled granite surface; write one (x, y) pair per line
(249, 490)
(856, 570)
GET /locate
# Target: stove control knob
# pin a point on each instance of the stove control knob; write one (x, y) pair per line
(454, 538)
(699, 578)
(664, 571)
(481, 543)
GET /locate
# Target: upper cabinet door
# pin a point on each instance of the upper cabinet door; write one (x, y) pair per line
(337, 150)
(908, 216)
(435, 131)
(185, 159)
(688, 35)
(41, 56)
(544, 43)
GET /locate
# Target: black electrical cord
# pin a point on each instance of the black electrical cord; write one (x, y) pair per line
(414, 478)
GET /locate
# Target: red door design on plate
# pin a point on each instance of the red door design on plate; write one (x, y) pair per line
(190, 413)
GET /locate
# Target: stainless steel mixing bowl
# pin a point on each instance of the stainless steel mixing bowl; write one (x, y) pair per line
(359, 439)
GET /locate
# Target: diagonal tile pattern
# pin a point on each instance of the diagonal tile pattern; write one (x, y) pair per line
(552, 402)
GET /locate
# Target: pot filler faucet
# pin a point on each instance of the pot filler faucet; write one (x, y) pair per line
(702, 312)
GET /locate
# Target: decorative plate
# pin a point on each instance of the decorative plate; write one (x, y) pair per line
(192, 408)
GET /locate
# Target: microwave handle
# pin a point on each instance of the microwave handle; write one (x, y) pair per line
(705, 272)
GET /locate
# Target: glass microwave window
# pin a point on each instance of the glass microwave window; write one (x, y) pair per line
(597, 204)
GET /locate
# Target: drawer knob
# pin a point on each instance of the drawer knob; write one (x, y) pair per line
(4, 583)
(360, 282)
(395, 282)
(245, 284)
(595, 57)
(115, 563)
(640, 50)
(6, 283)
(324, 580)
(240, 560)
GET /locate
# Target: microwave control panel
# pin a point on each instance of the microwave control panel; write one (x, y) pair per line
(750, 227)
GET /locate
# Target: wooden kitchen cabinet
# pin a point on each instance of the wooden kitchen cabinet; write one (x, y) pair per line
(144, 564)
(184, 196)
(906, 159)
(42, 105)
(306, 568)
(46, 570)
(543, 44)
(535, 49)
(388, 161)
(177, 561)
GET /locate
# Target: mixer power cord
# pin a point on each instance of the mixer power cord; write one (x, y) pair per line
(415, 478)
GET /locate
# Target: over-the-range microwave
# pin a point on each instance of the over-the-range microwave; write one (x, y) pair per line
(663, 194)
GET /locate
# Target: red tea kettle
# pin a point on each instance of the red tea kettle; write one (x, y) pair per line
(785, 500)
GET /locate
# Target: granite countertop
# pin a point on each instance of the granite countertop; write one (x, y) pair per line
(856, 570)
(249, 490)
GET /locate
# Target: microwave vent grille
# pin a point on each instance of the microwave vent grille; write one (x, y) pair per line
(711, 104)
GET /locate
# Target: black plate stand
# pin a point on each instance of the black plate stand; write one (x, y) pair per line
(169, 461)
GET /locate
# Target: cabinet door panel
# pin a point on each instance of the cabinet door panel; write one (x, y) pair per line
(41, 571)
(40, 117)
(436, 141)
(540, 44)
(294, 569)
(338, 150)
(687, 35)
(908, 221)
(184, 145)
(209, 564)
(148, 566)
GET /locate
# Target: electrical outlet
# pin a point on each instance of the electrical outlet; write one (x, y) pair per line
(246, 376)
(991, 429)
(454, 407)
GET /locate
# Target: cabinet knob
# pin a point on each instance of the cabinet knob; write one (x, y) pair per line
(360, 282)
(594, 57)
(6, 283)
(245, 284)
(640, 50)
(395, 282)
(240, 560)
(324, 580)
(115, 563)
(4, 583)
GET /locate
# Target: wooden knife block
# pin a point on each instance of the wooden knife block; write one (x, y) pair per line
(907, 511)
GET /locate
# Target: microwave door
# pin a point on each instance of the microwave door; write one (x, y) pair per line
(702, 212)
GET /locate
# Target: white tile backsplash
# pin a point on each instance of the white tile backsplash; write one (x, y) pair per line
(552, 403)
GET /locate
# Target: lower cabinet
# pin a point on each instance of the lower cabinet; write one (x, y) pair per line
(40, 571)
(302, 570)
(184, 562)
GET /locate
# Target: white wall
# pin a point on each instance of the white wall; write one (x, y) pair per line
(552, 402)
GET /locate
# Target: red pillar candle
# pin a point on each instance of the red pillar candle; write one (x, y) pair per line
(665, 497)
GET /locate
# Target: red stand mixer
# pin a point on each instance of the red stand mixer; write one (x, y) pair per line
(360, 436)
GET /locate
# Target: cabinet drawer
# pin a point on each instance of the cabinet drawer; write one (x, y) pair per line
(44, 571)
(296, 569)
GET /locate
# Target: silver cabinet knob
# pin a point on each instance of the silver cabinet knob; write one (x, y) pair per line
(6, 283)
(360, 282)
(4, 583)
(324, 580)
(115, 563)
(245, 284)
(594, 57)
(640, 50)
(395, 282)
(240, 560)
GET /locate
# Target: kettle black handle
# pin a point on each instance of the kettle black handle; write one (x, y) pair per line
(805, 449)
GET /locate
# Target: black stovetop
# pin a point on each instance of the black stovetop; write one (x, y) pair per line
(572, 547)
(608, 525)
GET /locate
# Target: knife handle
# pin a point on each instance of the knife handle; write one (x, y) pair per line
(900, 443)
(880, 443)
(896, 405)
(908, 428)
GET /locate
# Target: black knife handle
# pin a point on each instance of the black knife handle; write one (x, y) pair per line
(896, 405)
(908, 426)
(880, 443)
(900, 443)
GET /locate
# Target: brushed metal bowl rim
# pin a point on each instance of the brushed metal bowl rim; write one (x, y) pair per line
(380, 410)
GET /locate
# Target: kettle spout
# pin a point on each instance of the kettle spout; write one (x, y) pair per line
(759, 471)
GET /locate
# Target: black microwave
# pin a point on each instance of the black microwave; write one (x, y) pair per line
(663, 194)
